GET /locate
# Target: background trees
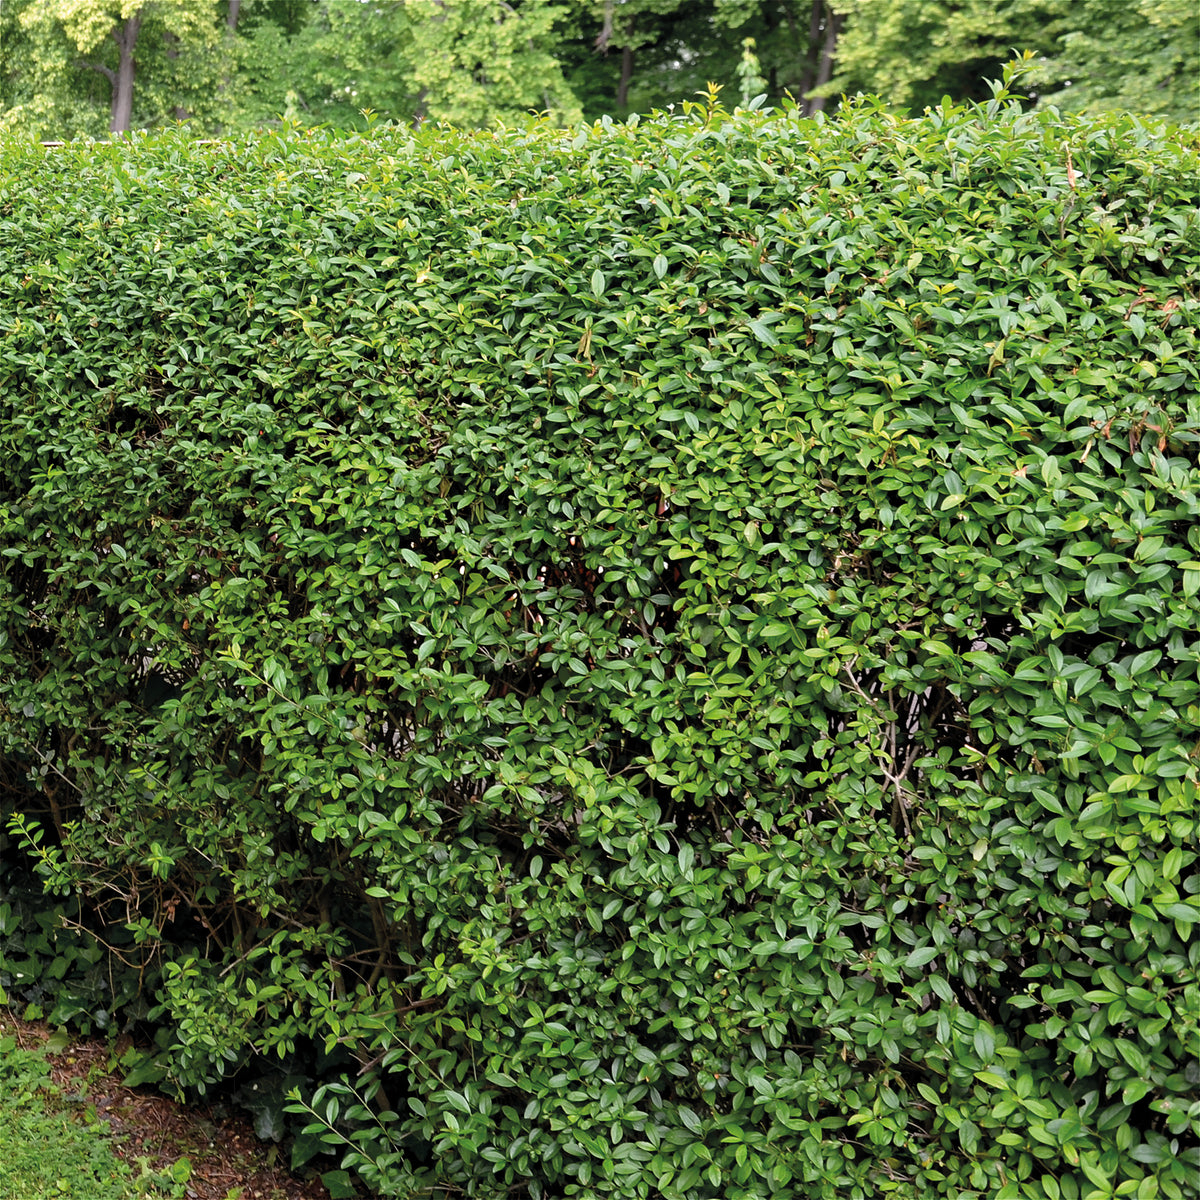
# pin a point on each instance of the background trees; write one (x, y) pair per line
(70, 67)
(1092, 55)
(1143, 56)
(79, 66)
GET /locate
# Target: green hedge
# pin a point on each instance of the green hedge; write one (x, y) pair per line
(658, 662)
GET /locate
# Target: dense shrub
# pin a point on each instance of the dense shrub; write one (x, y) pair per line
(663, 660)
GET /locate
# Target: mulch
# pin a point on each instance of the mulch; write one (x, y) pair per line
(228, 1160)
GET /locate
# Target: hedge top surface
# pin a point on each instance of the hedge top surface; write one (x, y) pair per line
(673, 648)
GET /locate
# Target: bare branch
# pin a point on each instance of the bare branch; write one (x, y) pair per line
(888, 759)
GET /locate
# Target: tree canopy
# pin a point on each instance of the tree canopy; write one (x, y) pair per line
(72, 67)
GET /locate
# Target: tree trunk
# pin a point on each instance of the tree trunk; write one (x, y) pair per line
(122, 102)
(606, 30)
(833, 26)
(626, 76)
(231, 18)
(808, 80)
(824, 26)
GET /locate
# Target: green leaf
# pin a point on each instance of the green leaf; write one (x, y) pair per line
(1146, 661)
(985, 1043)
(57, 1042)
(1129, 783)
(339, 1185)
(992, 1079)
(1091, 1167)
(763, 333)
(1172, 863)
(1055, 589)
(920, 957)
(1132, 1055)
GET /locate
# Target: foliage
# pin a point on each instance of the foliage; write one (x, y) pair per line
(661, 660)
(51, 962)
(1143, 57)
(472, 62)
(1093, 55)
(71, 62)
(646, 54)
(912, 55)
(44, 1153)
(232, 65)
(478, 61)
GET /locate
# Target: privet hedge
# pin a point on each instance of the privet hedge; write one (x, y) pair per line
(660, 662)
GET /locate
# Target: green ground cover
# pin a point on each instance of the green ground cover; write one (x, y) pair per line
(46, 1152)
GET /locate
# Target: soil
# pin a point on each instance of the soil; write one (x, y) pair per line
(228, 1160)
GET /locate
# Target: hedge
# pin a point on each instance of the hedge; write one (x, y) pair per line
(653, 662)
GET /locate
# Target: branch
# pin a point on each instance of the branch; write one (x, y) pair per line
(107, 72)
(606, 30)
(888, 760)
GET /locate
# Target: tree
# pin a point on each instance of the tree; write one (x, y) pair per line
(912, 54)
(468, 62)
(39, 93)
(70, 67)
(634, 55)
(1139, 55)
(475, 60)
(167, 44)
(269, 52)
(797, 49)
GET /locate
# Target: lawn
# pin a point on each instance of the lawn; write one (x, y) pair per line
(46, 1151)
(69, 1127)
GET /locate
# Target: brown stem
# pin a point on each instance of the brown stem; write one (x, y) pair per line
(889, 760)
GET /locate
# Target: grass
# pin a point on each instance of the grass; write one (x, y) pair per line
(46, 1153)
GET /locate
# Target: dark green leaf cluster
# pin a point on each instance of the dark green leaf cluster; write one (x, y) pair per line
(663, 659)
